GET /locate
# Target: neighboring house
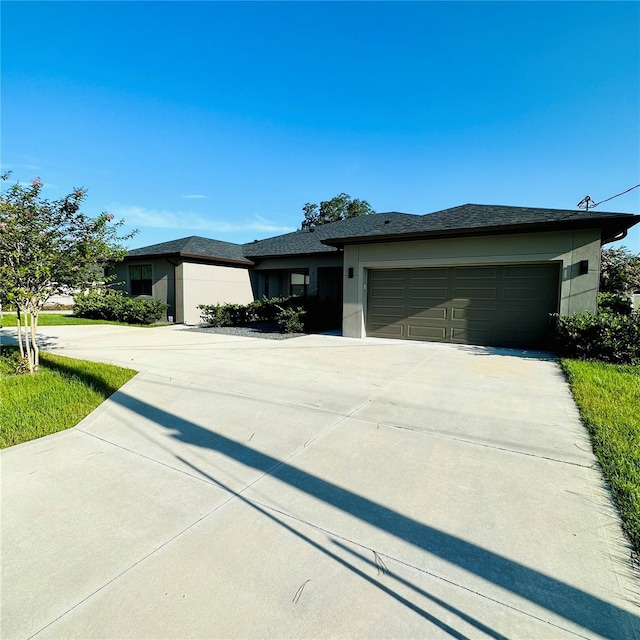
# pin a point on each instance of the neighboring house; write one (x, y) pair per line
(473, 274)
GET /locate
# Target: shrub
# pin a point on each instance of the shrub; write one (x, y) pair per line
(615, 303)
(215, 314)
(310, 313)
(143, 310)
(227, 315)
(94, 304)
(606, 337)
(289, 319)
(108, 304)
(267, 309)
(240, 314)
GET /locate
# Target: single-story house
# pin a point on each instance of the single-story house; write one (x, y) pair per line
(473, 274)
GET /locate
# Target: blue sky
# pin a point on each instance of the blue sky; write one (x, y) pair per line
(223, 119)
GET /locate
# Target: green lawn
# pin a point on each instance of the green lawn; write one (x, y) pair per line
(63, 392)
(56, 319)
(608, 397)
(53, 319)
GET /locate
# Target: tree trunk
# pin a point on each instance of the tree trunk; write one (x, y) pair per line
(26, 337)
(27, 344)
(19, 327)
(34, 343)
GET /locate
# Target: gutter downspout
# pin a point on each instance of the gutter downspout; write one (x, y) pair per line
(622, 236)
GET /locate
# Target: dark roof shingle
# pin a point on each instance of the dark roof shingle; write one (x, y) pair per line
(307, 241)
(476, 219)
(464, 220)
(195, 246)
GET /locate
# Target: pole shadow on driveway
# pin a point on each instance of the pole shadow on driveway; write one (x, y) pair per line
(564, 600)
(407, 603)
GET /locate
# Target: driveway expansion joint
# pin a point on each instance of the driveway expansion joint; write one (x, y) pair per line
(435, 434)
(567, 579)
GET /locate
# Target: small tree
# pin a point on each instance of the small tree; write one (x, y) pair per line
(46, 248)
(339, 208)
(619, 271)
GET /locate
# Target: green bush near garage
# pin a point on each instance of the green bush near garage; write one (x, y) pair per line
(614, 303)
(108, 304)
(606, 337)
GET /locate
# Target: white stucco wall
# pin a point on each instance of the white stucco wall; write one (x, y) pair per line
(568, 248)
(209, 284)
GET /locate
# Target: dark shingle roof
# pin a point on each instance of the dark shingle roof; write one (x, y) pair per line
(477, 219)
(195, 247)
(465, 220)
(299, 242)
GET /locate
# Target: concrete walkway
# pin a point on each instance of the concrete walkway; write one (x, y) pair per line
(319, 487)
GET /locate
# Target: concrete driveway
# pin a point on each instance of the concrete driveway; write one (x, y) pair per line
(318, 487)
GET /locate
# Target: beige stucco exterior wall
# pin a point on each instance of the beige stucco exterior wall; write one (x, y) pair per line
(209, 284)
(577, 292)
(162, 280)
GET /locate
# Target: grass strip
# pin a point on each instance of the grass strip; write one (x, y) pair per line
(64, 391)
(57, 319)
(608, 397)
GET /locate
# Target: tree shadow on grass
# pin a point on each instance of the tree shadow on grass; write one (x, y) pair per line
(557, 597)
(98, 383)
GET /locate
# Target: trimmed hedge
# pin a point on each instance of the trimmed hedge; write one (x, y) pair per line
(108, 304)
(607, 337)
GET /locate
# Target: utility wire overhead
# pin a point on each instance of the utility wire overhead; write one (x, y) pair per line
(588, 203)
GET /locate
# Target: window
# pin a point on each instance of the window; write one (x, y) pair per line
(298, 283)
(140, 278)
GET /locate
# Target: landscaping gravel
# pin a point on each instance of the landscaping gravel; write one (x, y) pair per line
(255, 330)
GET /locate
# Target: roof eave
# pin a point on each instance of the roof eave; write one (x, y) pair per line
(610, 228)
(239, 261)
(172, 254)
(293, 255)
(194, 256)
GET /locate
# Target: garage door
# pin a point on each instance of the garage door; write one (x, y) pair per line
(498, 305)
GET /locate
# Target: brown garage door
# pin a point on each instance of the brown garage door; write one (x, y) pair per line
(498, 305)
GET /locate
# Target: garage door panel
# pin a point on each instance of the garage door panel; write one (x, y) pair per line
(475, 293)
(525, 294)
(473, 313)
(501, 305)
(427, 333)
(390, 330)
(525, 317)
(428, 275)
(386, 293)
(387, 311)
(423, 293)
(438, 313)
(475, 273)
(469, 335)
(390, 275)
